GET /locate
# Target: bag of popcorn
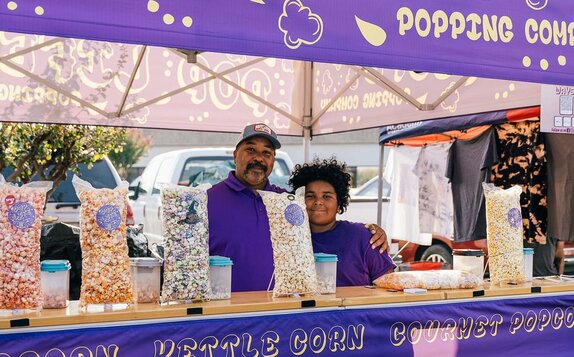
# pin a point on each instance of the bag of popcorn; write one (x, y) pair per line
(504, 233)
(21, 210)
(106, 272)
(185, 228)
(291, 241)
(429, 279)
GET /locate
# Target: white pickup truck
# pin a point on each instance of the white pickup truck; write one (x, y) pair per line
(189, 167)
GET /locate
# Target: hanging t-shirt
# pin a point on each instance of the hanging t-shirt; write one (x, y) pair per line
(435, 195)
(402, 220)
(468, 166)
(560, 151)
(522, 162)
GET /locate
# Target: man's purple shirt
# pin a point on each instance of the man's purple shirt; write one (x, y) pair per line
(357, 264)
(239, 229)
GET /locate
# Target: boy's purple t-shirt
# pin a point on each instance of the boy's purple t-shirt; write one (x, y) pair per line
(239, 229)
(357, 263)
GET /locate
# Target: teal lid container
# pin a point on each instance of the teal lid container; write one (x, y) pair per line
(53, 266)
(219, 261)
(528, 250)
(324, 257)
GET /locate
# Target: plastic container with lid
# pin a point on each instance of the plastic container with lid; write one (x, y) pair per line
(528, 263)
(469, 260)
(55, 275)
(220, 277)
(146, 279)
(326, 267)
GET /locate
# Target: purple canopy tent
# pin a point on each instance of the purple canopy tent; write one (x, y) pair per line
(191, 84)
(522, 40)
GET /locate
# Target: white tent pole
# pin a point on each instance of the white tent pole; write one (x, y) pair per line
(48, 84)
(448, 92)
(338, 95)
(380, 188)
(131, 81)
(382, 80)
(307, 109)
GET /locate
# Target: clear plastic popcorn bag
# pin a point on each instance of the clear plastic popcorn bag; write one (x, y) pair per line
(106, 272)
(21, 210)
(429, 279)
(185, 228)
(291, 241)
(504, 233)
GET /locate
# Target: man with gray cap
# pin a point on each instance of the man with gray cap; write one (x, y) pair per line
(238, 222)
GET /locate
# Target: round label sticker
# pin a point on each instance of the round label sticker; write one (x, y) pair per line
(21, 215)
(294, 215)
(108, 217)
(514, 217)
(9, 200)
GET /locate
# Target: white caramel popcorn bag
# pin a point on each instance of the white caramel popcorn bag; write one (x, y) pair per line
(106, 272)
(429, 279)
(185, 228)
(291, 241)
(504, 233)
(21, 210)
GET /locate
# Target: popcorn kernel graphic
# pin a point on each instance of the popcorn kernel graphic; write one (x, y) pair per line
(374, 34)
(294, 14)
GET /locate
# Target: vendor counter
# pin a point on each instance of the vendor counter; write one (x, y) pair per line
(525, 319)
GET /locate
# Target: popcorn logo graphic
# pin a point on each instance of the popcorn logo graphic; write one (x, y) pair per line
(514, 217)
(299, 25)
(537, 4)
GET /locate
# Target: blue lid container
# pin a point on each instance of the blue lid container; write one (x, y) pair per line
(324, 257)
(53, 266)
(219, 261)
(528, 250)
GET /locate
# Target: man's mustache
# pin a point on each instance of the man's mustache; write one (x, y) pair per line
(257, 165)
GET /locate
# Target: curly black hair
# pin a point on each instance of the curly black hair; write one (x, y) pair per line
(329, 170)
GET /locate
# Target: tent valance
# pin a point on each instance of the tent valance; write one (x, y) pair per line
(521, 40)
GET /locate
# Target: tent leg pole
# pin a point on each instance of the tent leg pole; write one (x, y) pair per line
(307, 143)
(308, 111)
(380, 188)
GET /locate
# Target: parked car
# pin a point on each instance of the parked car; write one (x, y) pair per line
(189, 167)
(363, 208)
(64, 205)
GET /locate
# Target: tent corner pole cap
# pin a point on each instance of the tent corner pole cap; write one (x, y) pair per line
(190, 54)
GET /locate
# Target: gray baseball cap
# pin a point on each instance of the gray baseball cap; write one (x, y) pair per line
(259, 129)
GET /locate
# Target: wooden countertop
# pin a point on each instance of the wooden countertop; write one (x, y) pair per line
(243, 302)
(538, 285)
(260, 301)
(358, 295)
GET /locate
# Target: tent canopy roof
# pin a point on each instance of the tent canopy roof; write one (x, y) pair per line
(71, 81)
(513, 39)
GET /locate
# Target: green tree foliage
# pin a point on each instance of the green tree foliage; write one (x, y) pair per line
(136, 145)
(31, 149)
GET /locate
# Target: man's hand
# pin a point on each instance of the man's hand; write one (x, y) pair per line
(378, 238)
